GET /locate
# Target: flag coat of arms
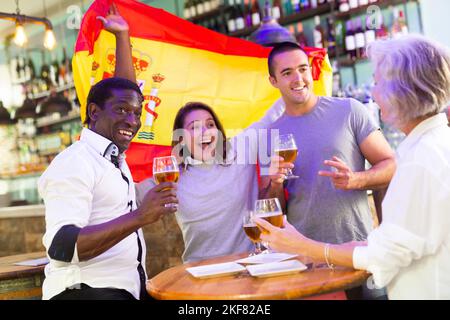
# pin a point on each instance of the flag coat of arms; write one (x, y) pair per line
(176, 62)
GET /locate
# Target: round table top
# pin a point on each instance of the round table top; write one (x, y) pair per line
(8, 269)
(178, 284)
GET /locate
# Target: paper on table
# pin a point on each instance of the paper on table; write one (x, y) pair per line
(276, 268)
(215, 270)
(33, 262)
(266, 258)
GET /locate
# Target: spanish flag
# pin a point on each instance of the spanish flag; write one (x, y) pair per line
(176, 62)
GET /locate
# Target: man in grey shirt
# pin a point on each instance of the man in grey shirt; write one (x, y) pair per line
(328, 202)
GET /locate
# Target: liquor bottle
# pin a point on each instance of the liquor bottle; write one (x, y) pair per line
(339, 29)
(231, 22)
(277, 12)
(359, 39)
(363, 3)
(187, 10)
(200, 8)
(304, 4)
(344, 6)
(256, 13)
(207, 5)
(353, 4)
(369, 34)
(295, 4)
(350, 44)
(313, 4)
(248, 13)
(399, 27)
(300, 36)
(318, 34)
(240, 18)
(32, 69)
(192, 9)
(331, 38)
(381, 29)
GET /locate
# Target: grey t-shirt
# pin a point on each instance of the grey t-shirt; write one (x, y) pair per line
(212, 201)
(335, 127)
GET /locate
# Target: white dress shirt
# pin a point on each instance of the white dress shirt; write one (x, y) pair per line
(82, 187)
(410, 251)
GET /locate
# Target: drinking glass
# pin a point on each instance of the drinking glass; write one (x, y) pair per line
(286, 147)
(165, 169)
(269, 210)
(252, 231)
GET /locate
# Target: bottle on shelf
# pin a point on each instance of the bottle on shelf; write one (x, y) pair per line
(318, 34)
(304, 5)
(369, 34)
(300, 36)
(381, 31)
(193, 9)
(187, 9)
(359, 39)
(344, 6)
(256, 13)
(363, 3)
(231, 20)
(277, 12)
(207, 5)
(350, 43)
(399, 26)
(200, 8)
(353, 4)
(248, 13)
(295, 4)
(331, 37)
(240, 18)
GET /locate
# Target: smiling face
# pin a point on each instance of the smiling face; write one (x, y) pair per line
(119, 118)
(202, 136)
(292, 76)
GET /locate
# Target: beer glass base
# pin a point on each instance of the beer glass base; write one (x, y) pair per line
(291, 177)
(171, 205)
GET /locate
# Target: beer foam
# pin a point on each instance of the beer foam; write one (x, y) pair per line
(268, 214)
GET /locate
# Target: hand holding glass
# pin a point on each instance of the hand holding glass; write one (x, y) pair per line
(165, 169)
(269, 210)
(286, 147)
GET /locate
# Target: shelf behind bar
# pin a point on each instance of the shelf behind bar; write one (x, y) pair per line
(208, 15)
(306, 14)
(363, 9)
(48, 92)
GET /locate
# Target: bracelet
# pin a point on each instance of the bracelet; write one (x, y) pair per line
(327, 256)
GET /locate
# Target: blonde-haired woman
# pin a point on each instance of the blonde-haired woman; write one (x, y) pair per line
(410, 251)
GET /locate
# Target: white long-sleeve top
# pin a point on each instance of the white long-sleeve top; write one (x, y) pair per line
(410, 251)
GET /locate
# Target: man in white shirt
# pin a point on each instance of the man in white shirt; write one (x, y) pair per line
(93, 233)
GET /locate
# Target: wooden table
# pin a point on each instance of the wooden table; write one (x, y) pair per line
(21, 282)
(177, 284)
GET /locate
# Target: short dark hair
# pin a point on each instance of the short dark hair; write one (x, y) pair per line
(102, 91)
(281, 48)
(181, 116)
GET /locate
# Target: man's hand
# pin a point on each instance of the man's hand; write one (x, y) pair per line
(344, 178)
(278, 169)
(114, 22)
(153, 204)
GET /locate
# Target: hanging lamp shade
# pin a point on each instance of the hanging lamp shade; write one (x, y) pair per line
(27, 110)
(270, 32)
(5, 117)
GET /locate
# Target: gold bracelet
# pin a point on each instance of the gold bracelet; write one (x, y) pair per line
(327, 256)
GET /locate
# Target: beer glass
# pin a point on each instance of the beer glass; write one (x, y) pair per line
(269, 210)
(286, 147)
(252, 231)
(165, 169)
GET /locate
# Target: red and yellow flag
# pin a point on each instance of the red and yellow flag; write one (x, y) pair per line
(176, 62)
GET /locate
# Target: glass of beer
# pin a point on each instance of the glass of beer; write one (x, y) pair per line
(269, 210)
(252, 231)
(165, 169)
(286, 147)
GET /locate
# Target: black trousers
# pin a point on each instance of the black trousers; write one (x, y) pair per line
(85, 292)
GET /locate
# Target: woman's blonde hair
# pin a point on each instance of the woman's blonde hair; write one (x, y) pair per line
(413, 76)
